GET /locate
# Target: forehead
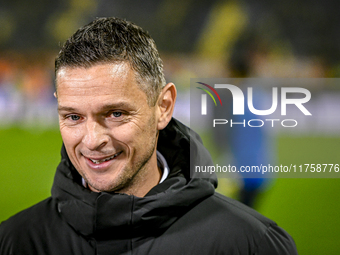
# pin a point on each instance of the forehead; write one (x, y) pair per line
(102, 84)
(98, 79)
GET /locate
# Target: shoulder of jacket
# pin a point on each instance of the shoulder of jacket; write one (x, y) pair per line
(267, 236)
(27, 220)
(238, 209)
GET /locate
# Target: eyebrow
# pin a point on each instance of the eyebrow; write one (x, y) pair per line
(106, 107)
(66, 109)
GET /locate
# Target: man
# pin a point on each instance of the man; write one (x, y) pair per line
(123, 185)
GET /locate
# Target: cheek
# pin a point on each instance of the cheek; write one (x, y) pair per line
(71, 136)
(134, 135)
(126, 134)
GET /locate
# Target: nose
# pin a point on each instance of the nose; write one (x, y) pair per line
(95, 136)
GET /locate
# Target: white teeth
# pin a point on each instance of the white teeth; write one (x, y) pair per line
(105, 159)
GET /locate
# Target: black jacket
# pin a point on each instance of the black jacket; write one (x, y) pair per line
(182, 215)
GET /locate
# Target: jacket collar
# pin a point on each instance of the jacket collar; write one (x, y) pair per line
(105, 215)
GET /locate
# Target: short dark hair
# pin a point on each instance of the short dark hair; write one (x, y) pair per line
(107, 40)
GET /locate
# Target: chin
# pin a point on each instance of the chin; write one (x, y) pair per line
(113, 185)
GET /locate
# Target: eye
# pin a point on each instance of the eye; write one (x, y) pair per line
(117, 114)
(74, 117)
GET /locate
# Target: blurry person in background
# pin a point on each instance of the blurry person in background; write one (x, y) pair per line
(123, 185)
(250, 146)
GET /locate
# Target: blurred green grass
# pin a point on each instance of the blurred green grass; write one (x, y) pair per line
(307, 208)
(28, 159)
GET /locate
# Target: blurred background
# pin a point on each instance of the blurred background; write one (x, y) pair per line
(196, 39)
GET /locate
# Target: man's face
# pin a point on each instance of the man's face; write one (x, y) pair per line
(108, 128)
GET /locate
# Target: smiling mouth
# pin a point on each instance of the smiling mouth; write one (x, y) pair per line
(99, 161)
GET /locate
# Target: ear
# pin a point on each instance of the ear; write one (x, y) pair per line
(165, 105)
